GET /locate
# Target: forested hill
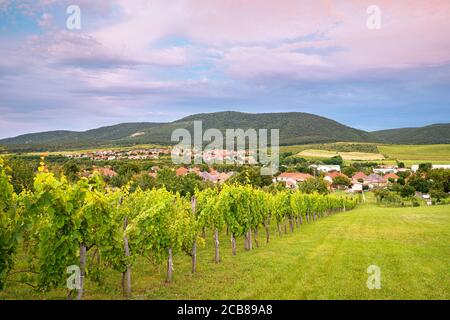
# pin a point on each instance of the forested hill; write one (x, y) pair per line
(295, 128)
(433, 134)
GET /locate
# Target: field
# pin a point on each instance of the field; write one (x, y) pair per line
(326, 259)
(361, 156)
(387, 154)
(434, 153)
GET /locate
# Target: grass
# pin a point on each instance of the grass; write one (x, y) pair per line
(435, 153)
(362, 156)
(409, 154)
(326, 259)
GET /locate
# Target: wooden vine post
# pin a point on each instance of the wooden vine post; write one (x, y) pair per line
(194, 245)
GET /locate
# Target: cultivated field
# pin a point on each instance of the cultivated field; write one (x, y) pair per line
(387, 154)
(435, 153)
(362, 156)
(327, 259)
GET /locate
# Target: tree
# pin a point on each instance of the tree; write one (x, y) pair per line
(187, 184)
(71, 170)
(424, 167)
(407, 191)
(419, 184)
(314, 185)
(349, 171)
(143, 181)
(438, 195)
(251, 176)
(336, 160)
(342, 181)
(165, 178)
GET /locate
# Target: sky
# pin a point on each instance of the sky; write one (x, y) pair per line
(159, 60)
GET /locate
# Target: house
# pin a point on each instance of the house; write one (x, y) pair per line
(195, 170)
(359, 175)
(385, 169)
(292, 178)
(357, 187)
(222, 177)
(391, 176)
(326, 168)
(182, 171)
(213, 171)
(295, 176)
(333, 174)
(374, 180)
(106, 172)
(209, 177)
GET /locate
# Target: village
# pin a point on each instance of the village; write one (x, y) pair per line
(110, 155)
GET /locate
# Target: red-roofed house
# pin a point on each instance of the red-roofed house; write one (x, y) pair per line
(182, 171)
(359, 175)
(333, 174)
(106, 172)
(291, 178)
(391, 176)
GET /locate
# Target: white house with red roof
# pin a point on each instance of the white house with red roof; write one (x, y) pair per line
(292, 178)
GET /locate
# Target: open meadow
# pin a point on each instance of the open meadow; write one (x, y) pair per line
(382, 153)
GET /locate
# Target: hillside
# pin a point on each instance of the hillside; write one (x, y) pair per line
(295, 128)
(433, 134)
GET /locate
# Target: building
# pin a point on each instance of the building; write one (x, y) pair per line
(292, 178)
(391, 176)
(333, 174)
(357, 187)
(375, 181)
(105, 172)
(415, 167)
(182, 171)
(326, 168)
(358, 176)
(385, 169)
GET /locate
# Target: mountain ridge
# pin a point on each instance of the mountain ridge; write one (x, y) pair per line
(295, 128)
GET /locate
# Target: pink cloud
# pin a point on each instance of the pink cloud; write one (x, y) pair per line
(265, 37)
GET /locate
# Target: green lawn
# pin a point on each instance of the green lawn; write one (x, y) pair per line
(326, 259)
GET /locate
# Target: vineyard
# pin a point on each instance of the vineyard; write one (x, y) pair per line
(85, 224)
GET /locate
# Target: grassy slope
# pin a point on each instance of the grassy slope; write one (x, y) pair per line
(362, 156)
(410, 154)
(435, 152)
(324, 260)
